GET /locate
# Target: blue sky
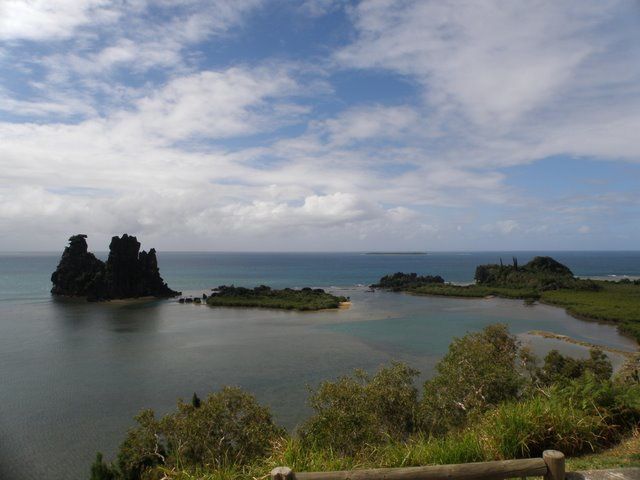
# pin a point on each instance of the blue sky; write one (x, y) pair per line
(320, 125)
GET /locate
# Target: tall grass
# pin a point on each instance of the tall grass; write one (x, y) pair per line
(525, 429)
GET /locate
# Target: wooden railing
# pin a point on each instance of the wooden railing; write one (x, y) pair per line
(550, 466)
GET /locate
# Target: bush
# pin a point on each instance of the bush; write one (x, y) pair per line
(359, 410)
(558, 368)
(142, 448)
(527, 428)
(228, 428)
(101, 470)
(477, 373)
(586, 414)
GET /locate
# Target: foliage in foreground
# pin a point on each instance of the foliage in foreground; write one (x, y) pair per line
(266, 297)
(489, 400)
(229, 428)
(477, 373)
(362, 409)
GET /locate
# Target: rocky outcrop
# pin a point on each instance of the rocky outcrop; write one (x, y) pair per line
(79, 272)
(127, 273)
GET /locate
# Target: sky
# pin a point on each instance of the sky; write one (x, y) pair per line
(326, 125)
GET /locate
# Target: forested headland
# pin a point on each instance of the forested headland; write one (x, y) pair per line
(542, 279)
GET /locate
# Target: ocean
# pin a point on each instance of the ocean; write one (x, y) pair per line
(73, 374)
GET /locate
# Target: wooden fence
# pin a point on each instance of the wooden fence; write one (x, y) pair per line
(550, 466)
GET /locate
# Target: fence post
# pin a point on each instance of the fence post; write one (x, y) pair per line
(282, 473)
(555, 464)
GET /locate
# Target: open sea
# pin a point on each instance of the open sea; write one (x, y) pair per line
(73, 374)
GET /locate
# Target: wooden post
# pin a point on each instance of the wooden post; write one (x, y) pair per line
(555, 464)
(282, 473)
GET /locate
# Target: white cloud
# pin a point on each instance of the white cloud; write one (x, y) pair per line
(371, 123)
(215, 104)
(494, 61)
(504, 227)
(511, 83)
(46, 19)
(97, 41)
(123, 129)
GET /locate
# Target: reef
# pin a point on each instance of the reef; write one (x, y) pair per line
(127, 273)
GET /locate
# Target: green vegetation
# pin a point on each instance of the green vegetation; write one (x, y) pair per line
(490, 399)
(265, 297)
(404, 281)
(558, 368)
(541, 273)
(617, 302)
(542, 279)
(362, 410)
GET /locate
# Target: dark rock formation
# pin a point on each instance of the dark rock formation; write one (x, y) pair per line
(128, 272)
(79, 272)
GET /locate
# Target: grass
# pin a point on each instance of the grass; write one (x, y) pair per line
(306, 299)
(464, 447)
(613, 302)
(625, 454)
(560, 419)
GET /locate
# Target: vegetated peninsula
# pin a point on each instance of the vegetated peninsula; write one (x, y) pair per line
(543, 279)
(305, 299)
(127, 273)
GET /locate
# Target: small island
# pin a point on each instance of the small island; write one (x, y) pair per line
(396, 253)
(127, 273)
(399, 281)
(305, 299)
(543, 279)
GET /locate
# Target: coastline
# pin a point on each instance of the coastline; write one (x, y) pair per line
(630, 364)
(566, 307)
(568, 339)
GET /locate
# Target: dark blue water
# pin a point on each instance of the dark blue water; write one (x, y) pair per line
(72, 374)
(27, 275)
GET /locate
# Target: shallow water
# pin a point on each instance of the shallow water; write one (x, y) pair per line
(73, 374)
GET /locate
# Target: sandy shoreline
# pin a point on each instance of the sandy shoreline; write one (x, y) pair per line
(632, 358)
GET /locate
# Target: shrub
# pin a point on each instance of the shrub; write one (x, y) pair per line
(100, 470)
(558, 368)
(142, 448)
(583, 415)
(228, 428)
(478, 372)
(526, 428)
(359, 410)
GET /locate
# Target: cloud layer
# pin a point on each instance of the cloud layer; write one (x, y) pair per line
(205, 125)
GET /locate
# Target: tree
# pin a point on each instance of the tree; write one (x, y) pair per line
(359, 410)
(101, 470)
(229, 426)
(195, 400)
(558, 368)
(478, 372)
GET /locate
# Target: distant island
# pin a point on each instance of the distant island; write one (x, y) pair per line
(305, 299)
(127, 273)
(543, 279)
(395, 253)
